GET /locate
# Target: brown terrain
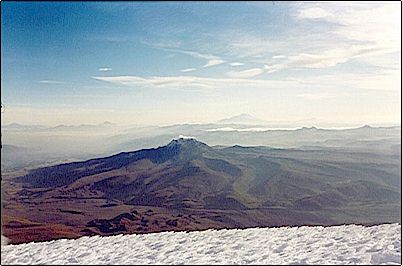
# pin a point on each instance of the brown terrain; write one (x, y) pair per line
(187, 185)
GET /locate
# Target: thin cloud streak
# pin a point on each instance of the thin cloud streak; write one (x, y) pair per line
(249, 73)
(236, 64)
(214, 62)
(188, 70)
(51, 82)
(383, 81)
(367, 32)
(174, 82)
(212, 59)
(104, 69)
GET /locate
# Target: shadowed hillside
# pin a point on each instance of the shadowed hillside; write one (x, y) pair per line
(187, 185)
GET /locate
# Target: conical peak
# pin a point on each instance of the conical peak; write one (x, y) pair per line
(186, 142)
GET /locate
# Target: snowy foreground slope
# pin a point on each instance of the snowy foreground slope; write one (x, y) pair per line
(349, 244)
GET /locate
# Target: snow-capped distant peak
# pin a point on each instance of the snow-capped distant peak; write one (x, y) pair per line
(242, 119)
(186, 137)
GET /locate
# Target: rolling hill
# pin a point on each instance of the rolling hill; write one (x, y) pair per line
(188, 185)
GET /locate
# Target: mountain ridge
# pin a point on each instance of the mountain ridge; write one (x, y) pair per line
(242, 119)
(188, 185)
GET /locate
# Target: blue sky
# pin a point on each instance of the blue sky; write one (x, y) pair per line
(175, 62)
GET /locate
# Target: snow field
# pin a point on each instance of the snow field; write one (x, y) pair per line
(346, 244)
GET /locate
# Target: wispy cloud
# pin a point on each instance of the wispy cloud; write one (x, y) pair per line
(188, 70)
(375, 26)
(366, 32)
(273, 68)
(51, 82)
(324, 59)
(212, 59)
(104, 69)
(175, 82)
(236, 64)
(249, 73)
(383, 81)
(214, 62)
(332, 57)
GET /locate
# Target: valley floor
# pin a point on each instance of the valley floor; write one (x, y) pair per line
(349, 244)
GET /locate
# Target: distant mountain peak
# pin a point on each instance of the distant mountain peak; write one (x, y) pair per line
(186, 142)
(186, 148)
(17, 126)
(366, 126)
(244, 115)
(14, 124)
(186, 137)
(242, 119)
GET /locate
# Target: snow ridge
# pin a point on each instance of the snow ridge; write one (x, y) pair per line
(346, 244)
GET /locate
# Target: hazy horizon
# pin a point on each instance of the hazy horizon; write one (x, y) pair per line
(164, 63)
(271, 125)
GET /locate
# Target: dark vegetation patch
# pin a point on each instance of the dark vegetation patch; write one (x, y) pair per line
(109, 205)
(172, 223)
(71, 211)
(113, 225)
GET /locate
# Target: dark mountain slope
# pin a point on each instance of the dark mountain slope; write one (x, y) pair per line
(211, 188)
